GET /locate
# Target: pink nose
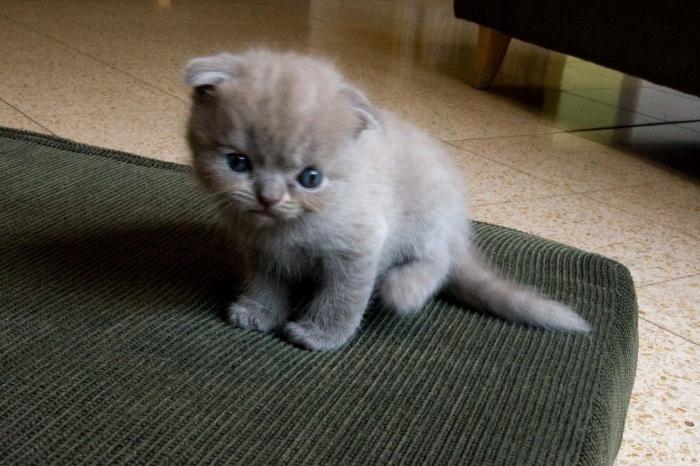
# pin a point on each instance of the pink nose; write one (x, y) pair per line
(266, 200)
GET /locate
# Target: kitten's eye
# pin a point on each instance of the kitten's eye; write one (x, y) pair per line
(310, 178)
(239, 163)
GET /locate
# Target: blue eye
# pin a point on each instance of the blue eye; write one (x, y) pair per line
(310, 178)
(239, 163)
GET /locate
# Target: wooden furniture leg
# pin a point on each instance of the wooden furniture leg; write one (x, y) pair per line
(490, 51)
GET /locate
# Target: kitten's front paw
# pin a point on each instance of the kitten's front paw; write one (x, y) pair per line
(309, 336)
(249, 315)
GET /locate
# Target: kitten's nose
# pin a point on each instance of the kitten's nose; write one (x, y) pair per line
(269, 190)
(268, 199)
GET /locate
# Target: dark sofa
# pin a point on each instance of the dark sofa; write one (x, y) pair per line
(654, 40)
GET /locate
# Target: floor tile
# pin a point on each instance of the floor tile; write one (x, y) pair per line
(694, 126)
(98, 92)
(647, 101)
(671, 147)
(445, 106)
(156, 133)
(664, 415)
(151, 61)
(489, 182)
(449, 114)
(571, 112)
(568, 160)
(17, 42)
(599, 70)
(11, 118)
(667, 90)
(673, 305)
(53, 10)
(674, 204)
(652, 252)
(78, 97)
(529, 68)
(46, 77)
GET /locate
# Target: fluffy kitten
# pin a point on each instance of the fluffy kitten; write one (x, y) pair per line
(313, 182)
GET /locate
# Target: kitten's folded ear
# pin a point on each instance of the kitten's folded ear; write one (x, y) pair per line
(205, 72)
(368, 114)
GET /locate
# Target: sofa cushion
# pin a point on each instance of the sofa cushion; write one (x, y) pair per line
(112, 279)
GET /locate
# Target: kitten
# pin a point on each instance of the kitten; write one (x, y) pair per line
(312, 181)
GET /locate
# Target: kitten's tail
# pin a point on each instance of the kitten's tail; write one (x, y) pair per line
(474, 282)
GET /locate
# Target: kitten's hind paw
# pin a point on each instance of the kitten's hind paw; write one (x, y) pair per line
(249, 315)
(309, 336)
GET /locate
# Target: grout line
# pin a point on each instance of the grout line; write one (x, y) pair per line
(667, 227)
(112, 13)
(692, 129)
(669, 91)
(585, 194)
(580, 130)
(452, 142)
(571, 193)
(98, 60)
(525, 199)
(506, 136)
(547, 182)
(621, 89)
(617, 188)
(667, 281)
(604, 128)
(573, 92)
(669, 331)
(513, 98)
(26, 116)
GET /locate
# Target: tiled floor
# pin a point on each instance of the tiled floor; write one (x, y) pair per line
(543, 151)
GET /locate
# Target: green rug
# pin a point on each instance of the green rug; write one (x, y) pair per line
(112, 281)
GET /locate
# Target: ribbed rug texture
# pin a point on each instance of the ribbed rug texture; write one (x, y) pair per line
(113, 278)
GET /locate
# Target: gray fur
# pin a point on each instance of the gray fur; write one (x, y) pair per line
(390, 216)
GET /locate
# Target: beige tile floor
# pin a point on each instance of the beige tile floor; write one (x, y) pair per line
(556, 148)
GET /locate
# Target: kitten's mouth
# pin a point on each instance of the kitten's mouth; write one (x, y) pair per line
(264, 213)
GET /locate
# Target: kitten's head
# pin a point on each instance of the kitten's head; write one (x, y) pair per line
(273, 134)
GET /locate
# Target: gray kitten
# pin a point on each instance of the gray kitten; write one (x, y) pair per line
(312, 181)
